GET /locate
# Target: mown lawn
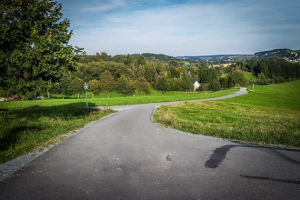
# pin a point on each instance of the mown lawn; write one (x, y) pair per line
(268, 115)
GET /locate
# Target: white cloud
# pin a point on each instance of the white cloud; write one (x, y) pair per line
(191, 29)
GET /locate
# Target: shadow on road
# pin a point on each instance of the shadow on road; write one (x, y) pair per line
(271, 179)
(220, 153)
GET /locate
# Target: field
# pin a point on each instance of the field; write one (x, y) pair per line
(248, 75)
(268, 115)
(39, 123)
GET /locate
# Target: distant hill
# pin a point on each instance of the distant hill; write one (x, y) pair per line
(209, 57)
(275, 53)
(286, 54)
(158, 57)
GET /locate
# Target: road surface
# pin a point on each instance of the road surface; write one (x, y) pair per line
(127, 156)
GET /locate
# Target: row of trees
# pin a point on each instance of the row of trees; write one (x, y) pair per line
(106, 84)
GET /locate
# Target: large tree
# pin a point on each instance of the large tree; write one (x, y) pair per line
(107, 82)
(76, 86)
(124, 86)
(186, 84)
(142, 85)
(33, 44)
(94, 87)
(162, 85)
(237, 78)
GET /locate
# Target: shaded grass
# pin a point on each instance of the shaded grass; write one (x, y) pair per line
(38, 126)
(270, 114)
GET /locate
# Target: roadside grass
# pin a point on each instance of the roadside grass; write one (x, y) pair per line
(268, 115)
(37, 126)
(39, 123)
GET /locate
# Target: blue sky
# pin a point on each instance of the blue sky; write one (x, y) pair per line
(183, 27)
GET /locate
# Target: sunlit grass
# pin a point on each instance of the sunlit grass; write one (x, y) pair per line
(38, 126)
(270, 114)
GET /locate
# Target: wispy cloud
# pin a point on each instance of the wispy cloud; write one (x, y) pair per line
(180, 29)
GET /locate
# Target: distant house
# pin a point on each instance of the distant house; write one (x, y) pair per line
(196, 85)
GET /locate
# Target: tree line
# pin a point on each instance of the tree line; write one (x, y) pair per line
(130, 75)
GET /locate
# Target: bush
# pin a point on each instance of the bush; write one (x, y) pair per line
(204, 87)
(215, 86)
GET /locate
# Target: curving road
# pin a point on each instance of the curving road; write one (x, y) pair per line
(127, 156)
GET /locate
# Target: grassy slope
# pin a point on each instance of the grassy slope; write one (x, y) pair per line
(248, 75)
(270, 114)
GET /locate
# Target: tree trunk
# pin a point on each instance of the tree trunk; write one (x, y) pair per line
(78, 96)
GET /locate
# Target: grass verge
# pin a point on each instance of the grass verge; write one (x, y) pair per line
(38, 126)
(268, 115)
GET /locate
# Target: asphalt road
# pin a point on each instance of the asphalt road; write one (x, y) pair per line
(127, 156)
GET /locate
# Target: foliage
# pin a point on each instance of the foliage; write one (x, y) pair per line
(204, 87)
(142, 85)
(207, 75)
(63, 86)
(107, 82)
(76, 86)
(162, 85)
(33, 44)
(215, 86)
(124, 86)
(94, 87)
(237, 78)
(186, 84)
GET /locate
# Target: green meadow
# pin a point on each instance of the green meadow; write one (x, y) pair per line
(249, 76)
(39, 123)
(268, 115)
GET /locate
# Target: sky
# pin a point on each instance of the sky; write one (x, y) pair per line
(183, 27)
